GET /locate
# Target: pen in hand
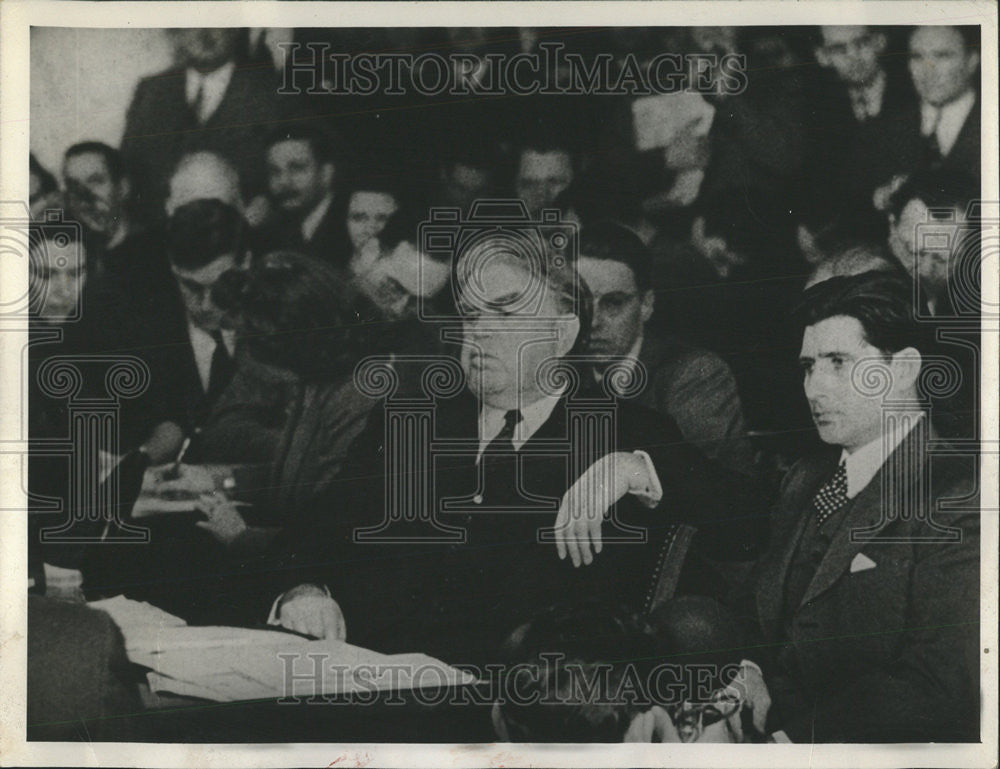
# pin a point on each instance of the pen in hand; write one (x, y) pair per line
(174, 471)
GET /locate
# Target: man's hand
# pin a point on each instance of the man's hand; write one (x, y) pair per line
(655, 725)
(224, 520)
(307, 609)
(578, 524)
(749, 687)
(181, 481)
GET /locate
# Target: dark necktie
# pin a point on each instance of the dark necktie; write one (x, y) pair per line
(499, 461)
(931, 144)
(222, 368)
(832, 495)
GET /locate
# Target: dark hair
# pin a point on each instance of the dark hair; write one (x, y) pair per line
(935, 188)
(563, 653)
(301, 314)
(112, 158)
(323, 145)
(201, 231)
(616, 242)
(401, 227)
(384, 183)
(46, 179)
(881, 302)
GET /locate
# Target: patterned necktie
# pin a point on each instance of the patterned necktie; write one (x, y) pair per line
(832, 495)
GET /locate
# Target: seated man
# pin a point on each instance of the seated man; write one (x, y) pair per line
(456, 541)
(869, 593)
(691, 386)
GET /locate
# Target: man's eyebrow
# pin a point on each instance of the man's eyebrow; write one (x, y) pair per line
(835, 354)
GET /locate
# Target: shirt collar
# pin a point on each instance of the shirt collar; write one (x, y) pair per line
(947, 121)
(863, 464)
(533, 416)
(311, 223)
(215, 84)
(630, 360)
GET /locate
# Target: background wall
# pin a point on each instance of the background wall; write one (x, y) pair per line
(82, 82)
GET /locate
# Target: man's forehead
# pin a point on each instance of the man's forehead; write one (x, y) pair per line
(936, 38)
(542, 162)
(84, 163)
(604, 275)
(208, 273)
(833, 35)
(288, 149)
(840, 333)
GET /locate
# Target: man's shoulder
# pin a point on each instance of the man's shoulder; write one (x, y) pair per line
(161, 82)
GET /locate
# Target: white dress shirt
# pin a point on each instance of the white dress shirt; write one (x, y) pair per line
(864, 463)
(867, 101)
(213, 86)
(311, 223)
(648, 490)
(204, 348)
(947, 121)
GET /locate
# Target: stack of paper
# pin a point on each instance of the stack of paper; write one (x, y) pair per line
(658, 120)
(228, 664)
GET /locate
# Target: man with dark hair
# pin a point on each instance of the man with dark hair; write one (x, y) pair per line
(851, 104)
(190, 353)
(301, 177)
(203, 102)
(546, 168)
(508, 476)
(691, 386)
(943, 129)
(869, 593)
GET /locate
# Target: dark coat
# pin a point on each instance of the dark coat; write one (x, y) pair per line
(881, 654)
(469, 578)
(160, 128)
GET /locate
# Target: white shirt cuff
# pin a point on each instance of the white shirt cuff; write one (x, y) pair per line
(272, 617)
(648, 489)
(57, 576)
(781, 738)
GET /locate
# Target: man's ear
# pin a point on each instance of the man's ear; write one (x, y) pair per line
(648, 305)
(821, 57)
(499, 724)
(906, 365)
(125, 187)
(569, 330)
(973, 63)
(879, 41)
(654, 725)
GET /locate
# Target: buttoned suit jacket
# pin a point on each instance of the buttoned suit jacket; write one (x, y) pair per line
(879, 653)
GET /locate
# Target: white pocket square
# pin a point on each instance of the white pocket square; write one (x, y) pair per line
(862, 562)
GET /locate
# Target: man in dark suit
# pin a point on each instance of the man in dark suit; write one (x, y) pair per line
(869, 593)
(691, 386)
(852, 102)
(305, 214)
(943, 129)
(204, 102)
(451, 565)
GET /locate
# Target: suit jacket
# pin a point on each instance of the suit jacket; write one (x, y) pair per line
(879, 653)
(901, 149)
(329, 242)
(160, 128)
(696, 389)
(481, 570)
(80, 684)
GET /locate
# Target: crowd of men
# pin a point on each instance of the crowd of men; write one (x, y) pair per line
(610, 447)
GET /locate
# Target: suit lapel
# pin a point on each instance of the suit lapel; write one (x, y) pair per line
(902, 470)
(771, 586)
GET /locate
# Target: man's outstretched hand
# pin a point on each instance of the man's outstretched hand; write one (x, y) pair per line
(309, 610)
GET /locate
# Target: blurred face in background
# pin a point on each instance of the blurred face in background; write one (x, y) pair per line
(542, 177)
(852, 52)
(58, 273)
(464, 184)
(205, 49)
(401, 279)
(195, 286)
(93, 196)
(621, 310)
(296, 178)
(367, 214)
(941, 67)
(925, 246)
